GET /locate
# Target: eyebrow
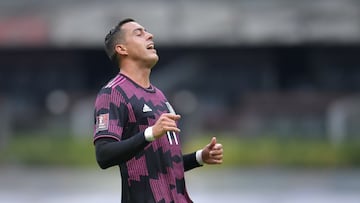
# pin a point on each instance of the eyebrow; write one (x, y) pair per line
(139, 29)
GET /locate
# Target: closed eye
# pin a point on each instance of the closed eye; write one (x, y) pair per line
(139, 31)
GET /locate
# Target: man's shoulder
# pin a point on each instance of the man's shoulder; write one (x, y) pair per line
(114, 82)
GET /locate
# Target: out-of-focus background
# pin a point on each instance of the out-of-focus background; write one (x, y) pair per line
(277, 81)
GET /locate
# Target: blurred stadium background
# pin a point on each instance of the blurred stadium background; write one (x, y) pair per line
(277, 82)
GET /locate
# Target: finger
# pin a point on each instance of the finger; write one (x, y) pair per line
(174, 129)
(216, 161)
(217, 157)
(215, 152)
(217, 146)
(169, 118)
(169, 122)
(220, 155)
(174, 117)
(169, 125)
(212, 143)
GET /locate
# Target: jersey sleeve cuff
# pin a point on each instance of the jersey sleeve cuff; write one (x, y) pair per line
(149, 134)
(199, 157)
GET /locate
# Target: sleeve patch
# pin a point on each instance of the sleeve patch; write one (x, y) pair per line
(102, 122)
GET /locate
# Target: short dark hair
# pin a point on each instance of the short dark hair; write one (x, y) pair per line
(114, 37)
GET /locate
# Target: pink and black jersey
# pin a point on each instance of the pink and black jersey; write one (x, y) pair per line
(155, 172)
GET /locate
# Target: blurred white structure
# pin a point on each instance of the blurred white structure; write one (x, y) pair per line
(227, 22)
(5, 119)
(343, 119)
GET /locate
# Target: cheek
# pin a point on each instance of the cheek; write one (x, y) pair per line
(139, 48)
(135, 50)
(134, 46)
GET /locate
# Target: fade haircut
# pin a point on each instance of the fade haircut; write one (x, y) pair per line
(114, 37)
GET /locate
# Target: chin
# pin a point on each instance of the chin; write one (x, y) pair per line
(153, 60)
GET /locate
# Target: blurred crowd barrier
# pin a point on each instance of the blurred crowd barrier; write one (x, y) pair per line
(305, 91)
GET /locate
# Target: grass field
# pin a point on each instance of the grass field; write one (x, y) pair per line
(75, 151)
(290, 153)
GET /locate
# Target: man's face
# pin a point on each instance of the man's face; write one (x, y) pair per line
(139, 44)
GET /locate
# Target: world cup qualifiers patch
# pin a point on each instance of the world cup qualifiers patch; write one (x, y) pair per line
(102, 122)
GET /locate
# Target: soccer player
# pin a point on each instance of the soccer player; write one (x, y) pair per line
(136, 127)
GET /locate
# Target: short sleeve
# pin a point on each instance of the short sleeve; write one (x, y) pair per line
(110, 114)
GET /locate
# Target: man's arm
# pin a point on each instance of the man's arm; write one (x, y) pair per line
(111, 152)
(212, 153)
(190, 161)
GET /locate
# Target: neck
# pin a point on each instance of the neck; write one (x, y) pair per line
(140, 75)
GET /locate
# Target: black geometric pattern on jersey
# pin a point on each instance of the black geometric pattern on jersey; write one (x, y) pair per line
(136, 102)
(116, 114)
(180, 186)
(154, 169)
(141, 118)
(128, 111)
(103, 91)
(152, 161)
(139, 192)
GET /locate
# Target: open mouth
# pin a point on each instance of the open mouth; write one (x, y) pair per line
(150, 46)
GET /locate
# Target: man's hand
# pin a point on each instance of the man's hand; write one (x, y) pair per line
(213, 152)
(166, 122)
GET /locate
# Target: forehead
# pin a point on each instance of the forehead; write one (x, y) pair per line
(131, 26)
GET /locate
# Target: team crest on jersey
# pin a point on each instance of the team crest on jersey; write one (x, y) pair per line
(102, 122)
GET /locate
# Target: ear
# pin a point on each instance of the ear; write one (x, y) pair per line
(121, 49)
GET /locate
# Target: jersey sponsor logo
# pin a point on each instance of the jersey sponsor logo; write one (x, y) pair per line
(102, 122)
(146, 108)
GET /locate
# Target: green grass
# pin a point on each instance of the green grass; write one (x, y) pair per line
(74, 151)
(280, 152)
(49, 150)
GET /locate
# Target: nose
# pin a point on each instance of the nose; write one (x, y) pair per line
(149, 35)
